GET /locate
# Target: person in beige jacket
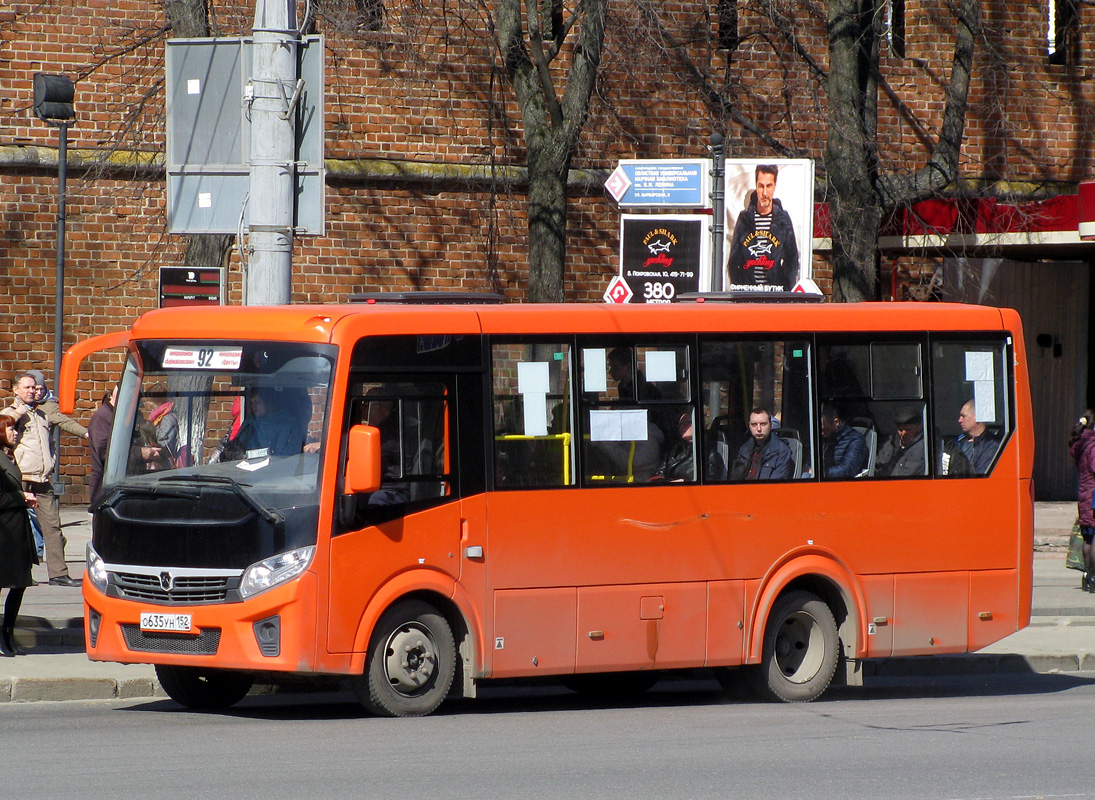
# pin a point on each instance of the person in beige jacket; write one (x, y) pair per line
(35, 457)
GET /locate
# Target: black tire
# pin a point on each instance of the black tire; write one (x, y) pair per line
(204, 688)
(411, 662)
(801, 650)
(610, 685)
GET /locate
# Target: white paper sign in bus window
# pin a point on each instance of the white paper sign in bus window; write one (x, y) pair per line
(661, 365)
(627, 425)
(202, 357)
(594, 370)
(533, 382)
(980, 371)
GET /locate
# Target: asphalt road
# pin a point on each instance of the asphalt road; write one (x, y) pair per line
(988, 738)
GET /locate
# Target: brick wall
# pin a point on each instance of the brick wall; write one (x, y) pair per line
(429, 89)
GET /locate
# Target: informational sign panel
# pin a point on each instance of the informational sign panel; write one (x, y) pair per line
(191, 286)
(209, 136)
(662, 256)
(661, 183)
(769, 224)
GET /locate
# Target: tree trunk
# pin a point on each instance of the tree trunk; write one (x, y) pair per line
(552, 124)
(851, 158)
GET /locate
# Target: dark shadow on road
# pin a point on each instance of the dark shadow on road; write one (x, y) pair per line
(690, 689)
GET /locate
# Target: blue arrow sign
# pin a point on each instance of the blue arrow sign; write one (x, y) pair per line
(662, 183)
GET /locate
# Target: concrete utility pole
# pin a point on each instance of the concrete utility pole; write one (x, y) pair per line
(273, 153)
(718, 209)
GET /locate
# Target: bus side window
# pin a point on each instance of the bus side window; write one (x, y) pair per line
(868, 386)
(761, 381)
(633, 398)
(532, 415)
(972, 409)
(412, 416)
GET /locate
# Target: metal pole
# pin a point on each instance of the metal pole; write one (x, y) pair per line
(59, 298)
(718, 206)
(273, 153)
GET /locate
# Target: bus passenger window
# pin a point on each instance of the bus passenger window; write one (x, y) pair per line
(972, 409)
(872, 395)
(531, 408)
(633, 398)
(756, 398)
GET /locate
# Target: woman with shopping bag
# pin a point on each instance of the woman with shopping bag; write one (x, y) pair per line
(1080, 446)
(17, 551)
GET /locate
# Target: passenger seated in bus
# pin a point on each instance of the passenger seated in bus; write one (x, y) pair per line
(628, 461)
(972, 451)
(269, 426)
(844, 452)
(764, 457)
(146, 454)
(679, 464)
(903, 454)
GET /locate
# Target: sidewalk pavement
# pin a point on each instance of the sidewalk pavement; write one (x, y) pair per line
(1060, 638)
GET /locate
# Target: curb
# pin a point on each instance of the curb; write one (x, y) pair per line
(30, 690)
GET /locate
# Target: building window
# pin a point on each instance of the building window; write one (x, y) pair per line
(370, 14)
(895, 27)
(1063, 31)
(728, 25)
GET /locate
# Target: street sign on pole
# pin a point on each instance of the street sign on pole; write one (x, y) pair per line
(209, 135)
(661, 183)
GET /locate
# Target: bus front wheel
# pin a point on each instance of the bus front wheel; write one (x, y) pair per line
(801, 650)
(203, 688)
(411, 662)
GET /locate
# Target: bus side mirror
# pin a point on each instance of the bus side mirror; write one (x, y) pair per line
(363, 460)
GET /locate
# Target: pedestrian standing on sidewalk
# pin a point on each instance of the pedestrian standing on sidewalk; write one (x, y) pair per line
(1080, 445)
(36, 458)
(17, 550)
(98, 435)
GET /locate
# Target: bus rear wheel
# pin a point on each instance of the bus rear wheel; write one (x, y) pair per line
(411, 662)
(801, 650)
(204, 688)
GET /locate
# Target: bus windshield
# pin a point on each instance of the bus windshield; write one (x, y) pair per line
(217, 423)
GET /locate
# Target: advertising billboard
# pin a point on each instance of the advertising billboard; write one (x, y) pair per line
(769, 224)
(662, 256)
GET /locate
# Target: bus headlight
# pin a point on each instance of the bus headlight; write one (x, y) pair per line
(96, 569)
(275, 570)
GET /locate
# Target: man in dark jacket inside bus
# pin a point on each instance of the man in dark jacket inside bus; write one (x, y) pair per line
(845, 453)
(765, 457)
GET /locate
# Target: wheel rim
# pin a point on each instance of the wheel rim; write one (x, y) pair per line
(799, 647)
(410, 660)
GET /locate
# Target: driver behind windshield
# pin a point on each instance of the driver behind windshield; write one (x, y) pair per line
(270, 426)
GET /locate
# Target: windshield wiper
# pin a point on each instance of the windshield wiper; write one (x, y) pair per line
(269, 514)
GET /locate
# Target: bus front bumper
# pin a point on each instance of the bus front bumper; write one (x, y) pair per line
(272, 631)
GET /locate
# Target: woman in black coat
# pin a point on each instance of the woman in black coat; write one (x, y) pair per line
(17, 551)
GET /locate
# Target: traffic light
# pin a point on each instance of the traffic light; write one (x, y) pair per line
(53, 96)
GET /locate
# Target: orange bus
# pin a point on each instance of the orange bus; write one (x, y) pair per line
(423, 496)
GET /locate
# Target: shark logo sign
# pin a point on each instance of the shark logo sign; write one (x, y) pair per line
(661, 256)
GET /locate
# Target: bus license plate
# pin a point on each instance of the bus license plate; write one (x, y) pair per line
(176, 623)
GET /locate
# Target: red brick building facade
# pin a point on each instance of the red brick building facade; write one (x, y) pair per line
(426, 88)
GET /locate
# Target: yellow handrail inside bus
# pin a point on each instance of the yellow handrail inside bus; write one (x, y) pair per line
(551, 437)
(629, 478)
